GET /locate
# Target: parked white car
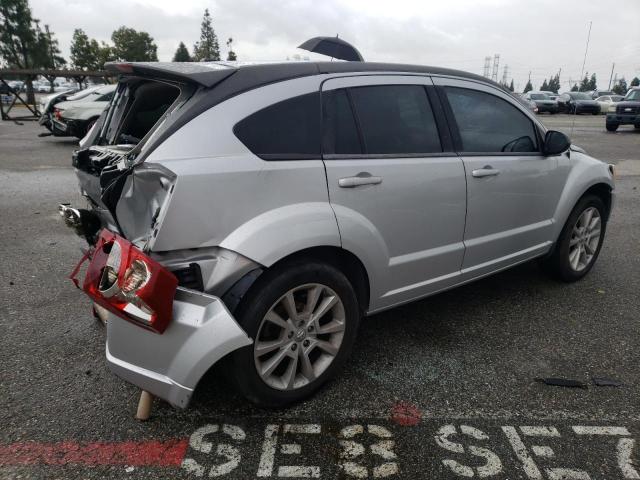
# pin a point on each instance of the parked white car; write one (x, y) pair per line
(75, 116)
(608, 102)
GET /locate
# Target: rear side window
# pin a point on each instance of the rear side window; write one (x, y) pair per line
(340, 130)
(490, 124)
(287, 130)
(395, 119)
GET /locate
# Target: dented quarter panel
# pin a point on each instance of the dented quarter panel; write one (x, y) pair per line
(140, 208)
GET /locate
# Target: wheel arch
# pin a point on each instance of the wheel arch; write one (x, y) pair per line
(345, 261)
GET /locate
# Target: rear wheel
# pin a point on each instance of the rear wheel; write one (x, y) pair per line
(580, 241)
(612, 127)
(303, 318)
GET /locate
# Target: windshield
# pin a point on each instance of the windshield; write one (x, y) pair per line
(633, 95)
(539, 96)
(580, 96)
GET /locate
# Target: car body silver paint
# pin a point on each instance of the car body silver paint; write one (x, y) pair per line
(410, 223)
(170, 365)
(226, 196)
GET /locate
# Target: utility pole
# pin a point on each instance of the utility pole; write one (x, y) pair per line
(487, 66)
(611, 76)
(496, 63)
(505, 72)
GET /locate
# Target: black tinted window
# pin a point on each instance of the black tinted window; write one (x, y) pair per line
(340, 131)
(396, 119)
(490, 124)
(288, 130)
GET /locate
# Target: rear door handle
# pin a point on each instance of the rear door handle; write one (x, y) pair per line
(486, 171)
(358, 180)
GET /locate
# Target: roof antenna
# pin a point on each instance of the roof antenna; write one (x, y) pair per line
(575, 111)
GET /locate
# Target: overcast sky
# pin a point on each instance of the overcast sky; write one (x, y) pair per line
(541, 36)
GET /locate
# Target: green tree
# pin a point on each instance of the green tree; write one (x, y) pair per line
(231, 56)
(85, 51)
(554, 84)
(620, 87)
(511, 87)
(23, 44)
(207, 49)
(584, 84)
(133, 46)
(635, 82)
(106, 54)
(545, 85)
(593, 84)
(182, 54)
(528, 87)
(575, 88)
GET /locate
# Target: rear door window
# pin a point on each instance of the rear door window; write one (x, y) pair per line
(395, 119)
(490, 124)
(286, 130)
(340, 130)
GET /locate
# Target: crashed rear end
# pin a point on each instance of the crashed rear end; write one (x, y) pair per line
(154, 327)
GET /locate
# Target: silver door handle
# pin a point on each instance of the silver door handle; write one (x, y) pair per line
(485, 172)
(350, 182)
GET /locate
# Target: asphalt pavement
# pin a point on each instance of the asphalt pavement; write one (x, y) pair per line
(442, 388)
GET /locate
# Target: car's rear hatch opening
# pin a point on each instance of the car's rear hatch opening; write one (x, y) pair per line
(149, 99)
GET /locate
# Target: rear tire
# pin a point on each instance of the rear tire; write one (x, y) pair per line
(580, 241)
(305, 355)
(612, 127)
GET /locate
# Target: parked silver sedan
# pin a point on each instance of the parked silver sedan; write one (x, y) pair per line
(257, 213)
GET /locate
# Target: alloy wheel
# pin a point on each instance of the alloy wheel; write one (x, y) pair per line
(585, 238)
(299, 337)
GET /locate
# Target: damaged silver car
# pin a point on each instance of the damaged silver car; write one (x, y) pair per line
(257, 212)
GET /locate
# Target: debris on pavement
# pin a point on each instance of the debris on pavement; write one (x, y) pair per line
(562, 382)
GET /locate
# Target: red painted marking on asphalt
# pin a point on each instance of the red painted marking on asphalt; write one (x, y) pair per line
(150, 453)
(405, 414)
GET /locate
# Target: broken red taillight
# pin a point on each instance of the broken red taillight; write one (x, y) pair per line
(128, 283)
(57, 113)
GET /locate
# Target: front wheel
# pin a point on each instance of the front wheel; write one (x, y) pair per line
(612, 127)
(580, 241)
(303, 318)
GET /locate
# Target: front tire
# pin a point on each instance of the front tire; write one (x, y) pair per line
(580, 241)
(303, 317)
(612, 127)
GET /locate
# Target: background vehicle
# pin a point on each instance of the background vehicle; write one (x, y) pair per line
(47, 104)
(600, 93)
(542, 101)
(627, 111)
(550, 94)
(344, 217)
(77, 114)
(530, 104)
(608, 102)
(577, 102)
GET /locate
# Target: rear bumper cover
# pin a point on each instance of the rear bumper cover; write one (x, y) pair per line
(170, 365)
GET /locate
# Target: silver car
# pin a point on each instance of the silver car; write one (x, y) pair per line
(256, 213)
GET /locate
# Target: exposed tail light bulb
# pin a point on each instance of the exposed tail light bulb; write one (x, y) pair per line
(136, 277)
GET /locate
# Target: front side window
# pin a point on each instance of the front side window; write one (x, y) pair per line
(287, 130)
(490, 124)
(395, 119)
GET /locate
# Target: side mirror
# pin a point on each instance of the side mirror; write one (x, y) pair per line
(555, 143)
